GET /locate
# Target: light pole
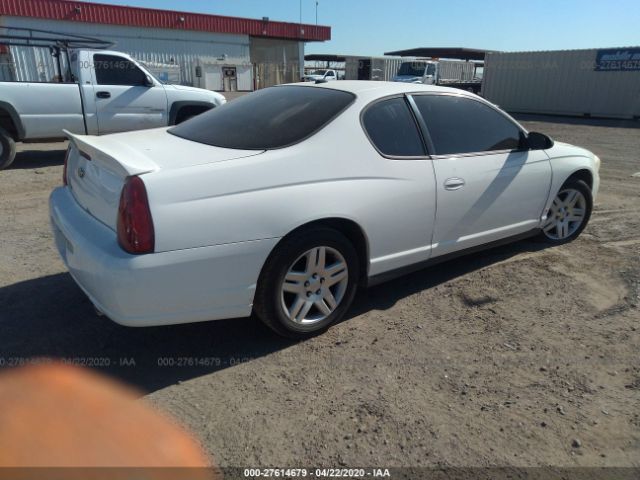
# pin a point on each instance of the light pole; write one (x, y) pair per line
(317, 3)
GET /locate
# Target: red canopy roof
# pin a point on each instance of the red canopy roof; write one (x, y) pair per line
(152, 18)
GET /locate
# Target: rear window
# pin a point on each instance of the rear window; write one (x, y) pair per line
(275, 117)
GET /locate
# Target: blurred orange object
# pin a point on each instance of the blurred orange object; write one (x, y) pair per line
(61, 416)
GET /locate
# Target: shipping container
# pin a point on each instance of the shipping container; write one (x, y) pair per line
(597, 83)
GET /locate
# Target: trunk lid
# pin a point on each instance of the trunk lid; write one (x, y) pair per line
(97, 167)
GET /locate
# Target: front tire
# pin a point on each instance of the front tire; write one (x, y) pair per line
(308, 283)
(7, 149)
(569, 213)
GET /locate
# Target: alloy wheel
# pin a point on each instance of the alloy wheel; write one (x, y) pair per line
(314, 285)
(566, 215)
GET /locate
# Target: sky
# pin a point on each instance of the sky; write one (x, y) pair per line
(372, 27)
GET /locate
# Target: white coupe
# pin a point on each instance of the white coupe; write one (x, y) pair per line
(285, 201)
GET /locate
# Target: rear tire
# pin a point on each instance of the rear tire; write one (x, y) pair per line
(7, 149)
(308, 283)
(569, 213)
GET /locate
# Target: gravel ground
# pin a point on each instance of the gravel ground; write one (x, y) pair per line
(519, 356)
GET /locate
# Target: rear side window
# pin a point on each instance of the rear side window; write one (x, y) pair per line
(112, 70)
(275, 117)
(462, 125)
(392, 128)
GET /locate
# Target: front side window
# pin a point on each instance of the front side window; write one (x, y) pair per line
(275, 117)
(459, 125)
(113, 70)
(392, 128)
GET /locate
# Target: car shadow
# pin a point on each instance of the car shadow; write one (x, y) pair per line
(386, 295)
(50, 318)
(30, 159)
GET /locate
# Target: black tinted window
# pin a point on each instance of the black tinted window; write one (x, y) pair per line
(392, 128)
(415, 69)
(463, 125)
(271, 118)
(112, 70)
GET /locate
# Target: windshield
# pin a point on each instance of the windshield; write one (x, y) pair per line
(275, 117)
(413, 69)
(319, 72)
(148, 71)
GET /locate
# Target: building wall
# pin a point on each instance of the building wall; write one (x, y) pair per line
(277, 61)
(560, 82)
(166, 50)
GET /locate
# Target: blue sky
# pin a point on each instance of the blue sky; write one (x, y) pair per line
(371, 27)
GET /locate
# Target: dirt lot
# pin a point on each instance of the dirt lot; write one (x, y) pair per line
(501, 358)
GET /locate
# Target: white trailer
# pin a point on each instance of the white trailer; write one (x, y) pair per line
(371, 68)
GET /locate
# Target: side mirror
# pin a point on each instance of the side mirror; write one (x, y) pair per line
(538, 141)
(148, 81)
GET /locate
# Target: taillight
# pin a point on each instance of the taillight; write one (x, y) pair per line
(135, 225)
(64, 170)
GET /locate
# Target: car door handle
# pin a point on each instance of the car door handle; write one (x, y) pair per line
(103, 95)
(453, 183)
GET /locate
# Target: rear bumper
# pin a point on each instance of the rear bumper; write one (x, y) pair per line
(181, 286)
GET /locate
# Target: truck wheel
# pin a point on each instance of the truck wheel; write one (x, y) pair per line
(7, 149)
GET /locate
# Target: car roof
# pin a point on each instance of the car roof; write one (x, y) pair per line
(373, 89)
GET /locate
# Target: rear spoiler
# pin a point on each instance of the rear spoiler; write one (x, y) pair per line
(113, 154)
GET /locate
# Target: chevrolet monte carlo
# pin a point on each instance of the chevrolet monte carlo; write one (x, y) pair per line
(285, 201)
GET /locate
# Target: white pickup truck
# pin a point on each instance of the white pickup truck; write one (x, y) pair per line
(322, 74)
(446, 73)
(102, 92)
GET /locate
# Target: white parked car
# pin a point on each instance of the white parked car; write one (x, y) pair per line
(285, 201)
